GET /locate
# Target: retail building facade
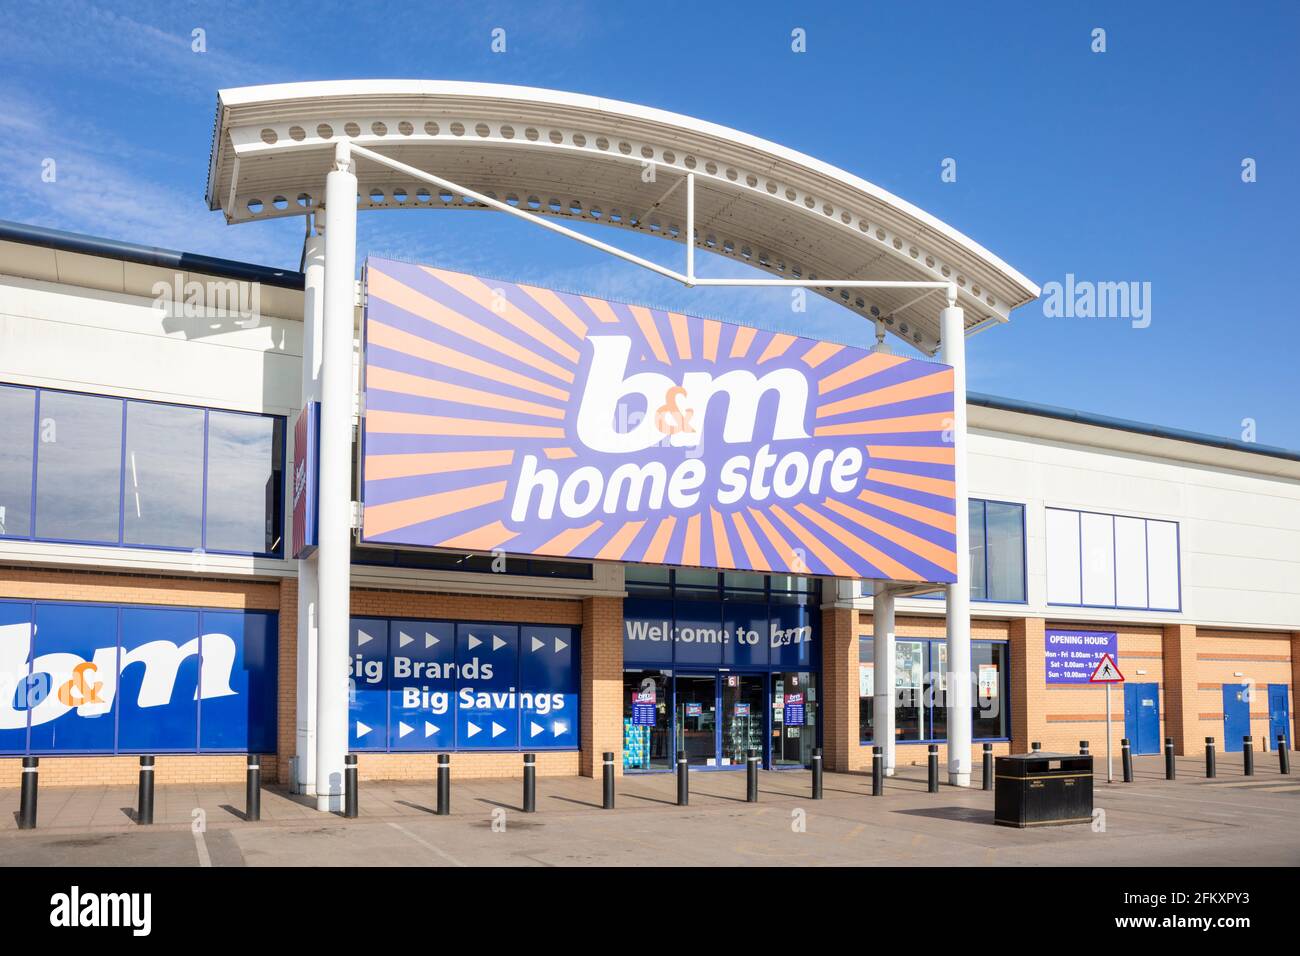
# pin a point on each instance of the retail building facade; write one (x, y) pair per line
(152, 452)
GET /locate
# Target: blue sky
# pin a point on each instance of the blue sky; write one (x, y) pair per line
(1115, 166)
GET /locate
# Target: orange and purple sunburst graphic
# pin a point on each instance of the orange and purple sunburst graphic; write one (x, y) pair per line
(513, 418)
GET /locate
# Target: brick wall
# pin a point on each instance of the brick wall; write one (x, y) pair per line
(839, 687)
(602, 684)
(1076, 712)
(1234, 658)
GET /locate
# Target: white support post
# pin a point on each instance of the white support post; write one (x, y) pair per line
(882, 648)
(952, 340)
(335, 505)
(313, 299)
(690, 228)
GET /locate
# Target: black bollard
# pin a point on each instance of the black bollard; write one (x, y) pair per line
(988, 766)
(817, 773)
(1083, 748)
(933, 760)
(1035, 747)
(144, 799)
(607, 759)
(444, 785)
(350, 785)
(683, 785)
(1126, 758)
(530, 783)
(1283, 757)
(1248, 755)
(1170, 770)
(253, 790)
(1209, 758)
(751, 777)
(27, 802)
(877, 772)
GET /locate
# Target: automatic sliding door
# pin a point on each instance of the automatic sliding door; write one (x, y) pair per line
(742, 717)
(697, 720)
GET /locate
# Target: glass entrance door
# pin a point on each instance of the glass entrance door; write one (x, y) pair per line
(697, 719)
(742, 717)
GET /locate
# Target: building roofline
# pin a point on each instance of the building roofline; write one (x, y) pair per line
(1126, 425)
(288, 279)
(148, 255)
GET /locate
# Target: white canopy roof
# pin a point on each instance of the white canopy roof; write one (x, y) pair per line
(585, 158)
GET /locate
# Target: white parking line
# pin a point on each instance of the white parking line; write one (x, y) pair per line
(428, 846)
(202, 847)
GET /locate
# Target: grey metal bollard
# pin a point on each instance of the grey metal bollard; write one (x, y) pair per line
(932, 759)
(877, 772)
(1210, 770)
(530, 783)
(988, 766)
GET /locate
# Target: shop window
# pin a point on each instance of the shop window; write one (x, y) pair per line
(164, 476)
(646, 737)
(119, 472)
(997, 552)
(78, 468)
(17, 437)
(921, 685)
(245, 482)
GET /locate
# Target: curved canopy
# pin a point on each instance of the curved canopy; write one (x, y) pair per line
(585, 158)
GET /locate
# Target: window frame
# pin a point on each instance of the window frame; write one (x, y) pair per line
(1024, 553)
(1004, 688)
(124, 402)
(1146, 528)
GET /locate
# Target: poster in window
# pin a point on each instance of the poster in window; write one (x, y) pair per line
(988, 681)
(866, 680)
(907, 666)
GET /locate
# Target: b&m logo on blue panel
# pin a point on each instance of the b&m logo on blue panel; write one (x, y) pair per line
(103, 679)
(439, 685)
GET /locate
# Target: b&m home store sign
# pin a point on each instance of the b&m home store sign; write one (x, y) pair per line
(503, 416)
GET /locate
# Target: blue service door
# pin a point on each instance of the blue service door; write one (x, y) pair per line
(1279, 715)
(1236, 716)
(1142, 717)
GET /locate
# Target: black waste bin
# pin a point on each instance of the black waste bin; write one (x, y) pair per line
(1042, 789)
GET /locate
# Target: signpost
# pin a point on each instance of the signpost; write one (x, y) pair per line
(1107, 672)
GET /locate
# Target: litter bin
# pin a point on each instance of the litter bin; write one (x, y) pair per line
(1042, 789)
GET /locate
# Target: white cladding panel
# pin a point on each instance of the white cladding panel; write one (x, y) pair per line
(120, 344)
(1224, 545)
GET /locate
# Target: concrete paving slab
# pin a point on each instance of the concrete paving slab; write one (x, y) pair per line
(1189, 821)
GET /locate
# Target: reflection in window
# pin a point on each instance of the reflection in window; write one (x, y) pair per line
(1005, 535)
(164, 476)
(17, 421)
(245, 482)
(920, 705)
(79, 468)
(909, 706)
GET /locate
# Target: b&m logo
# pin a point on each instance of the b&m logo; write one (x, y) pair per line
(61, 683)
(502, 416)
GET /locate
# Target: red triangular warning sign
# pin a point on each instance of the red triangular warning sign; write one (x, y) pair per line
(1106, 672)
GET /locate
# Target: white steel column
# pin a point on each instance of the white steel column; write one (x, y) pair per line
(952, 340)
(882, 648)
(313, 260)
(333, 554)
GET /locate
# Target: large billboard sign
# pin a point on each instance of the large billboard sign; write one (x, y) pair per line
(516, 418)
